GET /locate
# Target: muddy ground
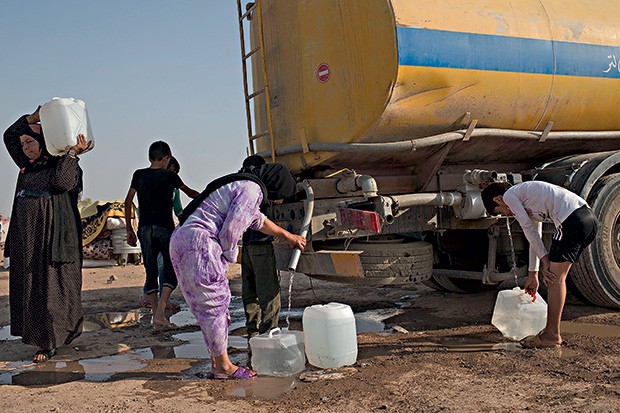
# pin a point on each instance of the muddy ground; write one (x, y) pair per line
(438, 353)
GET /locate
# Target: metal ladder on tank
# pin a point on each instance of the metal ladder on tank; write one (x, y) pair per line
(254, 11)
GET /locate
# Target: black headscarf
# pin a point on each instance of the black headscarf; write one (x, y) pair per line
(43, 161)
(274, 179)
(278, 180)
(253, 161)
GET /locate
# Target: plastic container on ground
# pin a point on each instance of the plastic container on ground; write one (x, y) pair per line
(330, 335)
(278, 353)
(118, 237)
(62, 120)
(517, 315)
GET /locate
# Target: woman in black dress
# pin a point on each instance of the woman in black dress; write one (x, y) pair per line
(44, 240)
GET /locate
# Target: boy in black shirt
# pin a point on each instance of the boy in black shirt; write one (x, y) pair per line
(155, 188)
(260, 283)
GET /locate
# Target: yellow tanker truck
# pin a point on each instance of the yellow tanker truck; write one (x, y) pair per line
(394, 112)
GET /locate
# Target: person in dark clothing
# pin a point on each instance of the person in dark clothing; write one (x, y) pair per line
(154, 187)
(177, 208)
(175, 167)
(260, 283)
(44, 240)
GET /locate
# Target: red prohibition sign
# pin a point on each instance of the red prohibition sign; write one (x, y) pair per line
(323, 72)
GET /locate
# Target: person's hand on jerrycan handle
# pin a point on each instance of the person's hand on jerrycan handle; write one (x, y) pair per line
(34, 118)
(532, 284)
(81, 145)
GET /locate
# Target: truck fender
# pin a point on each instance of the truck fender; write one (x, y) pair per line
(581, 172)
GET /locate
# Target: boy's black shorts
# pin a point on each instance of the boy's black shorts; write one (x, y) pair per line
(575, 234)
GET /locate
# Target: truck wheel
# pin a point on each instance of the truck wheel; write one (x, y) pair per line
(397, 263)
(597, 274)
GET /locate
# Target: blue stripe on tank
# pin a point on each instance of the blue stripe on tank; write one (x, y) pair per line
(438, 48)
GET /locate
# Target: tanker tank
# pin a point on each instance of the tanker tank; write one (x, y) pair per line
(347, 72)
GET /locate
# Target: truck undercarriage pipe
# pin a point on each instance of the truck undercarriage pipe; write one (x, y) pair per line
(413, 144)
(433, 199)
(365, 183)
(305, 224)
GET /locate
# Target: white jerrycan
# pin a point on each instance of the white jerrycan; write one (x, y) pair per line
(517, 314)
(278, 353)
(330, 335)
(62, 120)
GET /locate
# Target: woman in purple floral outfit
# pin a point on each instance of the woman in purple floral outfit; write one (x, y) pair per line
(206, 241)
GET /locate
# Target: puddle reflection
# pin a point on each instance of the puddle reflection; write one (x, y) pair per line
(105, 368)
(372, 321)
(588, 329)
(48, 374)
(134, 363)
(95, 322)
(467, 344)
(5, 334)
(264, 387)
(95, 370)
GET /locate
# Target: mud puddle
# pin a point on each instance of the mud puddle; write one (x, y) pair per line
(134, 363)
(464, 344)
(588, 329)
(264, 387)
(467, 344)
(190, 360)
(57, 372)
(94, 322)
(472, 344)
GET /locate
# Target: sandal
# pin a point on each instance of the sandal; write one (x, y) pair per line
(537, 342)
(242, 373)
(47, 354)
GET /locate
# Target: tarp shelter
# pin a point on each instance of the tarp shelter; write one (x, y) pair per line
(104, 233)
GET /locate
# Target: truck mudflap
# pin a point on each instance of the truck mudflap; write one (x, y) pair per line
(365, 263)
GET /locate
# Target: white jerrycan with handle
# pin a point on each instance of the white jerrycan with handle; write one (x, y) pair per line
(62, 120)
(330, 335)
(518, 314)
(278, 353)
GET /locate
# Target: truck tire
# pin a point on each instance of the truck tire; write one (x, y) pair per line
(396, 263)
(596, 276)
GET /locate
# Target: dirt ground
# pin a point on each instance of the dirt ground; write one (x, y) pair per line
(439, 353)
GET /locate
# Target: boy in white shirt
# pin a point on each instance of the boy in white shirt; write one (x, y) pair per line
(531, 203)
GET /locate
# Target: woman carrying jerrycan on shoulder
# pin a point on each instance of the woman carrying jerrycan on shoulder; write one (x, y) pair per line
(44, 241)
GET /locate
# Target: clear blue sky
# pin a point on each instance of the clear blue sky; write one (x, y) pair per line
(147, 70)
